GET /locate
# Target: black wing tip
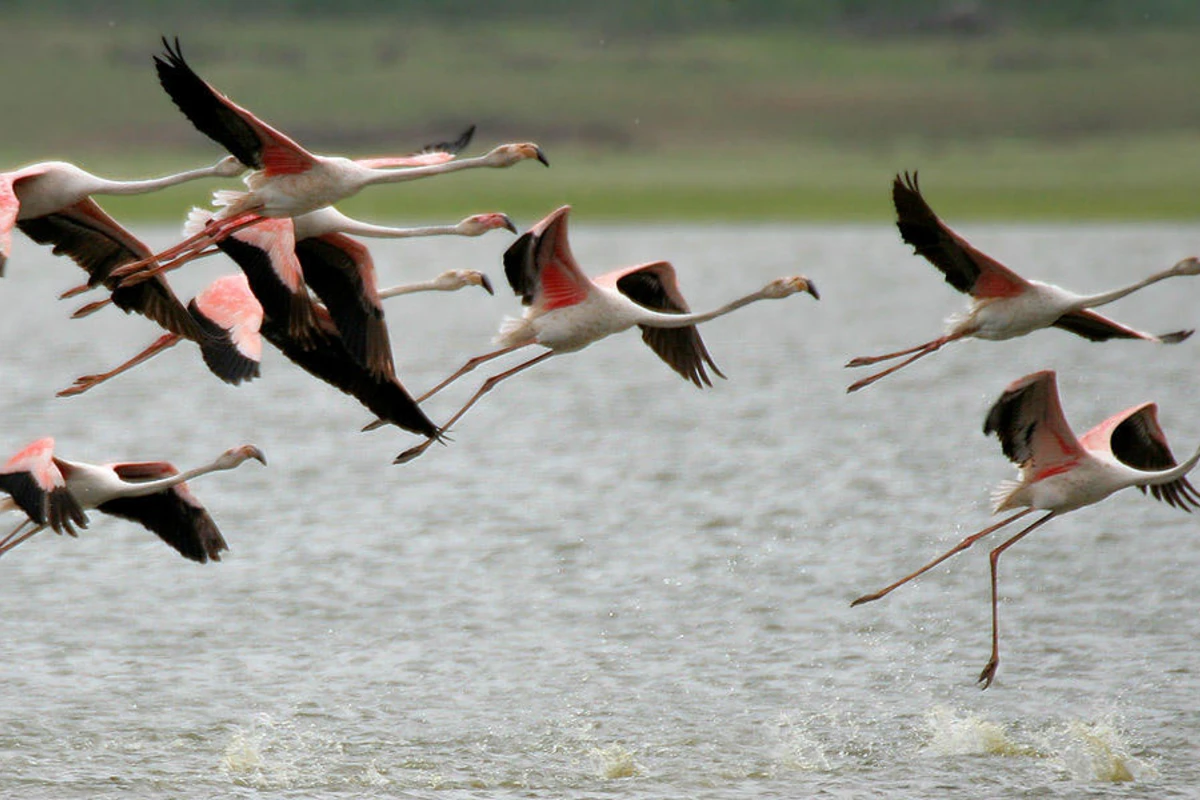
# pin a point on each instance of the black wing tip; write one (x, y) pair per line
(1174, 337)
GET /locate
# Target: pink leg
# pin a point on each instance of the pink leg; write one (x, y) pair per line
(470, 365)
(989, 671)
(85, 382)
(862, 361)
(77, 290)
(488, 385)
(9, 542)
(923, 350)
(135, 272)
(958, 548)
(90, 308)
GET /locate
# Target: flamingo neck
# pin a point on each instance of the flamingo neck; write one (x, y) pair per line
(143, 488)
(1093, 300)
(399, 174)
(1172, 474)
(411, 288)
(385, 232)
(658, 319)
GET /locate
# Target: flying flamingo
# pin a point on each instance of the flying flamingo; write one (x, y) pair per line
(99, 244)
(324, 356)
(229, 317)
(289, 180)
(312, 251)
(55, 493)
(230, 312)
(1003, 304)
(566, 311)
(1059, 473)
(60, 192)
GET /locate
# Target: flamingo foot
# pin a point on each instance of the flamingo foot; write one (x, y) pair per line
(81, 385)
(414, 451)
(989, 672)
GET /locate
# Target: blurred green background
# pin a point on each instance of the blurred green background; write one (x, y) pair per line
(680, 110)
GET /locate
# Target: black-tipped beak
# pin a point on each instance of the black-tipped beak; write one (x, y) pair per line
(542, 156)
(812, 289)
(258, 455)
(486, 282)
(509, 224)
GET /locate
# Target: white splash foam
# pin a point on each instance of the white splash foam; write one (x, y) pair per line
(614, 761)
(953, 734)
(1097, 751)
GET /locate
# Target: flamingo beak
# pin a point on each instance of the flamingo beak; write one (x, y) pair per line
(507, 223)
(540, 156)
(486, 283)
(805, 285)
(253, 452)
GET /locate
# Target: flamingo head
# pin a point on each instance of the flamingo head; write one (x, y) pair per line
(228, 167)
(508, 154)
(482, 223)
(782, 287)
(235, 456)
(1188, 266)
(455, 279)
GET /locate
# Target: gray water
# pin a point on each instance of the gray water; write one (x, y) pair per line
(611, 583)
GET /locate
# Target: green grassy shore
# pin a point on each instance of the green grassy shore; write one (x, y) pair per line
(776, 125)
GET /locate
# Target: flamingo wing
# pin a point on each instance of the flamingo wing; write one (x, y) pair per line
(9, 206)
(965, 268)
(269, 247)
(252, 141)
(341, 272)
(655, 287)
(436, 153)
(33, 478)
(232, 317)
(540, 268)
(1136, 439)
(324, 356)
(174, 514)
(99, 244)
(1028, 419)
(1099, 328)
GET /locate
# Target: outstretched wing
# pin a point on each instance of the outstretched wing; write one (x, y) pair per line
(174, 514)
(655, 287)
(99, 244)
(965, 268)
(232, 317)
(1028, 419)
(35, 482)
(436, 153)
(9, 206)
(1137, 440)
(540, 267)
(252, 141)
(1099, 328)
(341, 272)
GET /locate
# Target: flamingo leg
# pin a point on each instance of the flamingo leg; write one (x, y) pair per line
(989, 671)
(85, 382)
(923, 350)
(470, 365)
(488, 385)
(14, 532)
(90, 308)
(76, 290)
(9, 542)
(213, 232)
(862, 361)
(958, 548)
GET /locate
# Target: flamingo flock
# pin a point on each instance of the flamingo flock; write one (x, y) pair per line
(309, 289)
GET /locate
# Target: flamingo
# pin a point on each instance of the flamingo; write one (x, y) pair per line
(99, 244)
(229, 310)
(55, 493)
(1003, 304)
(288, 179)
(229, 317)
(312, 250)
(1059, 473)
(59, 192)
(325, 356)
(566, 311)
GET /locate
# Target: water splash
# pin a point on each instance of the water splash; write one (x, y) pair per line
(1098, 751)
(797, 748)
(614, 761)
(953, 734)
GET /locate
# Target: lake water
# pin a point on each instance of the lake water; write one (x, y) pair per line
(611, 583)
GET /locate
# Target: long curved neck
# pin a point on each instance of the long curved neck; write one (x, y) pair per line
(153, 184)
(1172, 474)
(658, 319)
(398, 174)
(385, 232)
(1093, 300)
(411, 288)
(142, 488)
